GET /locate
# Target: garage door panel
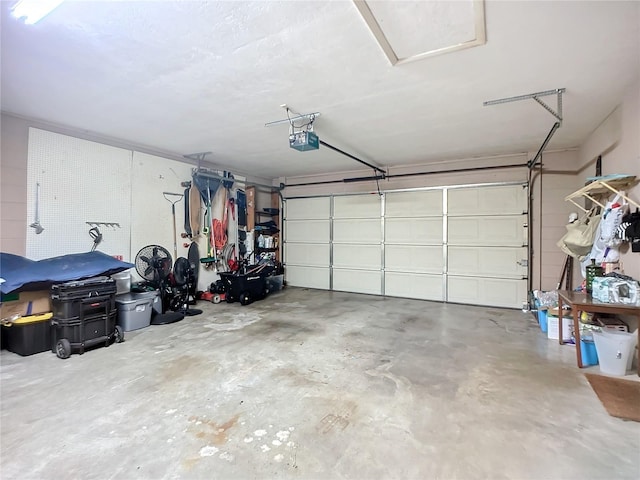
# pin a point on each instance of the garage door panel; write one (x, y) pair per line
(312, 231)
(498, 200)
(357, 256)
(421, 231)
(309, 277)
(358, 281)
(413, 204)
(489, 230)
(409, 258)
(307, 254)
(494, 292)
(408, 285)
(487, 261)
(357, 230)
(308, 208)
(357, 206)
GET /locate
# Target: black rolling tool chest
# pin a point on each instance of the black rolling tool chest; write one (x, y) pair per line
(84, 315)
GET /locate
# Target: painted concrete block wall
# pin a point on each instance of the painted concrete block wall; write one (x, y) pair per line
(13, 185)
(617, 139)
(431, 180)
(553, 213)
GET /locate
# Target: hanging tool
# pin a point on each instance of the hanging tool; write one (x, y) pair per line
(39, 228)
(194, 210)
(96, 235)
(187, 213)
(167, 195)
(210, 259)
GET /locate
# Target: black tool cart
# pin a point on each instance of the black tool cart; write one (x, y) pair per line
(84, 315)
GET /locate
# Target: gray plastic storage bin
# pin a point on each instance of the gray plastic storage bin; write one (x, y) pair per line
(134, 312)
(154, 295)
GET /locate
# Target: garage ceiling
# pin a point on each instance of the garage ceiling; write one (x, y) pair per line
(186, 77)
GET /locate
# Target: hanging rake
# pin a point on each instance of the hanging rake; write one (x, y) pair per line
(173, 202)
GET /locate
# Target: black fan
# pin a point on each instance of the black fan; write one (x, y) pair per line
(184, 277)
(153, 263)
(194, 259)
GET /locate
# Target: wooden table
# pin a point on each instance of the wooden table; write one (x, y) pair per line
(582, 302)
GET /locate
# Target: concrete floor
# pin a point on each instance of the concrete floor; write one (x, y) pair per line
(312, 384)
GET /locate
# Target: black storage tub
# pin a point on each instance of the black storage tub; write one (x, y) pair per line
(86, 298)
(28, 335)
(83, 333)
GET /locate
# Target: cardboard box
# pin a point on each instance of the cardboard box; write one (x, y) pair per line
(552, 328)
(28, 303)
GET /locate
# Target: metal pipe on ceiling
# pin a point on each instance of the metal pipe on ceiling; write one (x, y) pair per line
(215, 176)
(533, 161)
(404, 175)
(336, 149)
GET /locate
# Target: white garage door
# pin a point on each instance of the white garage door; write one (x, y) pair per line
(487, 245)
(463, 245)
(307, 237)
(357, 244)
(413, 250)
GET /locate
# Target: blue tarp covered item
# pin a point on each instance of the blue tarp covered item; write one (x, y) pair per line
(22, 273)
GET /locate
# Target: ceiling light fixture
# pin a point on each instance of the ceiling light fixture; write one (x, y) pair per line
(32, 11)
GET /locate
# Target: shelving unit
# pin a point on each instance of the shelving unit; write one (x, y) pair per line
(598, 189)
(268, 233)
(255, 216)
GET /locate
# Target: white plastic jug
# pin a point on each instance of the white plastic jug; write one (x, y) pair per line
(615, 351)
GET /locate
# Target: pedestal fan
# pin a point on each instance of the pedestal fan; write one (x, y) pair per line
(184, 278)
(153, 263)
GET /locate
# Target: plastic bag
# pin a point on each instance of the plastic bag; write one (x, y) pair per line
(578, 240)
(611, 220)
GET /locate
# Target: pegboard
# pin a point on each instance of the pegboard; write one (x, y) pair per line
(83, 181)
(80, 181)
(150, 211)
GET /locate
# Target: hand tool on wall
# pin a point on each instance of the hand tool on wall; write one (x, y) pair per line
(194, 210)
(96, 236)
(39, 228)
(210, 259)
(187, 212)
(173, 202)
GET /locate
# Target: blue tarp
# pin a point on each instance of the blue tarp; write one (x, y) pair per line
(22, 273)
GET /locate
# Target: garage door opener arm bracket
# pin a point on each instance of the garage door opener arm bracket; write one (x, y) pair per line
(557, 113)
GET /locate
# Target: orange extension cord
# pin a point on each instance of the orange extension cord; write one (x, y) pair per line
(219, 228)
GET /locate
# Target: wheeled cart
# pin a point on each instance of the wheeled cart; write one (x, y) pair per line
(247, 287)
(84, 316)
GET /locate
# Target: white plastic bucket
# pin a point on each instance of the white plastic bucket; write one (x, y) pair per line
(615, 351)
(123, 282)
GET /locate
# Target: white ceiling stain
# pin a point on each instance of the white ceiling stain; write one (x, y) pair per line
(186, 77)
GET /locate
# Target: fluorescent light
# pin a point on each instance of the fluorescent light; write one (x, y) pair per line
(33, 11)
